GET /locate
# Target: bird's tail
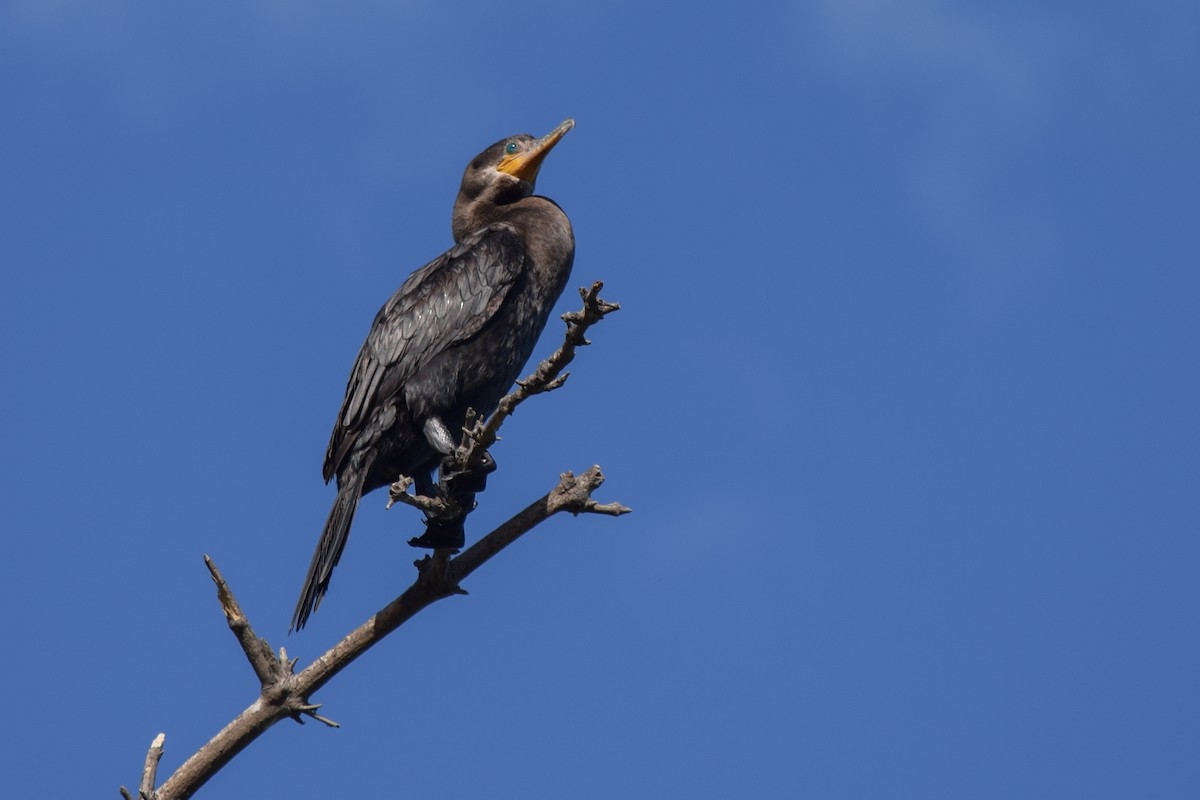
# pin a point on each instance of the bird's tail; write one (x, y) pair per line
(329, 550)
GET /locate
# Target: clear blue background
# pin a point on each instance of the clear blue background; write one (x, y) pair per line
(903, 394)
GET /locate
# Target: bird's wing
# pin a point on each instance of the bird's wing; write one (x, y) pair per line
(445, 302)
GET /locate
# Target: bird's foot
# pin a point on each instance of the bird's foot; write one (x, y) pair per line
(456, 481)
(457, 488)
(441, 534)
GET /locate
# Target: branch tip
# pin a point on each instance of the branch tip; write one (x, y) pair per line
(289, 665)
(261, 656)
(611, 509)
(310, 710)
(229, 604)
(150, 769)
(433, 506)
(399, 490)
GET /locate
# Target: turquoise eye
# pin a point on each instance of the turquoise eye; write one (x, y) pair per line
(510, 148)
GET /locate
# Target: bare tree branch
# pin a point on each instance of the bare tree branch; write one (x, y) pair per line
(146, 786)
(439, 575)
(285, 694)
(434, 506)
(266, 666)
(548, 376)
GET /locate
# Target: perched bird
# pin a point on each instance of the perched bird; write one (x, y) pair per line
(454, 336)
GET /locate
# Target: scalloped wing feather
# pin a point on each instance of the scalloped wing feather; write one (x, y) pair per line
(445, 302)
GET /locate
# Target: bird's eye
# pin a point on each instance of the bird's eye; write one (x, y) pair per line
(510, 148)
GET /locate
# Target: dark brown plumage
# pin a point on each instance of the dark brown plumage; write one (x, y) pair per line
(454, 336)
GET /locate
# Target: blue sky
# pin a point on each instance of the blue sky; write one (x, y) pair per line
(903, 394)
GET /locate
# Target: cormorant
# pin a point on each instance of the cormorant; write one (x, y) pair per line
(454, 336)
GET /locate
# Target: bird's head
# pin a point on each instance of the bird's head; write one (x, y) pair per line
(521, 156)
(505, 172)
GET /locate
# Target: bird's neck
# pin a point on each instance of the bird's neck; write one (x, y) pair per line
(546, 230)
(543, 227)
(525, 214)
(478, 207)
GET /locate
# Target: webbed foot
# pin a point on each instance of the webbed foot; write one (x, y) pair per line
(458, 482)
(441, 534)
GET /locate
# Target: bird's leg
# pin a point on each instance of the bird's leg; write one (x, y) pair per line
(438, 436)
(455, 481)
(459, 486)
(423, 483)
(443, 532)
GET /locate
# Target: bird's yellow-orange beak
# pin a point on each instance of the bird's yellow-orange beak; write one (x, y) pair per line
(524, 164)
